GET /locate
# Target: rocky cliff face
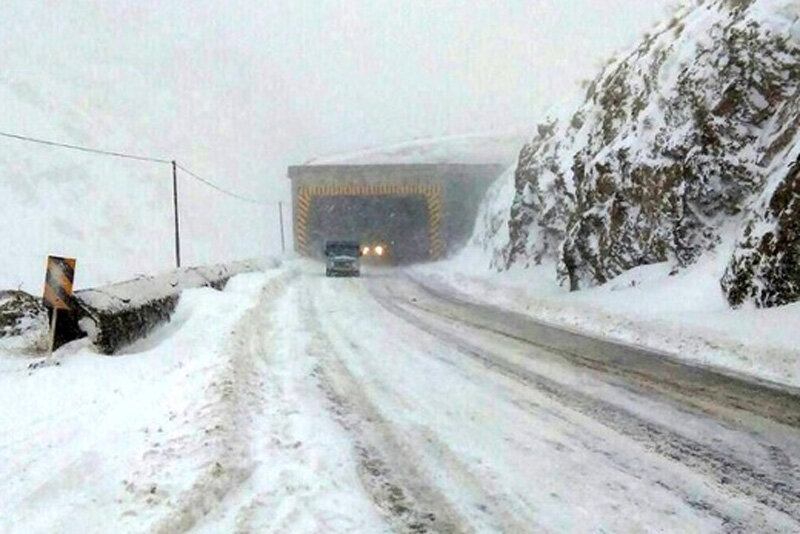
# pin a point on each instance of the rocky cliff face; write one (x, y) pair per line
(765, 267)
(674, 142)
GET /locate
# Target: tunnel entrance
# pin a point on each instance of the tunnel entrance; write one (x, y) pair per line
(401, 223)
(408, 216)
(426, 209)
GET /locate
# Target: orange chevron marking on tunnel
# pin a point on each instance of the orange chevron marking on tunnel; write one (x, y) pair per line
(433, 201)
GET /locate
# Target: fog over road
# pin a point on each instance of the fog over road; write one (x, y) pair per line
(462, 418)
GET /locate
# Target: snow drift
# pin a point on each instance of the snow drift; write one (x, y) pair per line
(671, 150)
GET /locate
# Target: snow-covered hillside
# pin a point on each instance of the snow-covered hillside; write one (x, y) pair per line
(97, 75)
(666, 157)
(114, 215)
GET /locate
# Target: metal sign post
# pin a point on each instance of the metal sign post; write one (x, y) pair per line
(280, 217)
(57, 291)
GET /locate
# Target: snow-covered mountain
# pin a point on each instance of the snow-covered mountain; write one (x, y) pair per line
(114, 215)
(681, 147)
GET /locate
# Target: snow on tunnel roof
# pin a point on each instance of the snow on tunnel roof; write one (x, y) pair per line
(474, 149)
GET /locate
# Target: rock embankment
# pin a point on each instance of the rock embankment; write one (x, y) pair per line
(690, 134)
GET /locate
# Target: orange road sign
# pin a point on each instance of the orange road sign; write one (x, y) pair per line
(58, 282)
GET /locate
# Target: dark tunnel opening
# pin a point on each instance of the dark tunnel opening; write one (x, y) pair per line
(400, 223)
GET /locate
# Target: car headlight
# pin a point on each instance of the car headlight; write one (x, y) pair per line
(379, 250)
(365, 251)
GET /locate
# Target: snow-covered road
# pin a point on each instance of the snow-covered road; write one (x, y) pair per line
(378, 404)
(489, 432)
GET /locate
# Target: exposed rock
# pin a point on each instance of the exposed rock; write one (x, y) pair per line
(20, 313)
(765, 267)
(673, 142)
(491, 226)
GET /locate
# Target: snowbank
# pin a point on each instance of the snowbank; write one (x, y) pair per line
(114, 315)
(144, 443)
(212, 423)
(23, 321)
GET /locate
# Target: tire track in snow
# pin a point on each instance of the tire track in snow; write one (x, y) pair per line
(690, 384)
(228, 407)
(729, 401)
(391, 462)
(770, 417)
(305, 477)
(397, 488)
(726, 473)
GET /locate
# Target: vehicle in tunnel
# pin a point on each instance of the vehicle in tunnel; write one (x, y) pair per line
(377, 252)
(396, 225)
(342, 258)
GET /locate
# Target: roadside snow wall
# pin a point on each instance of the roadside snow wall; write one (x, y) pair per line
(116, 315)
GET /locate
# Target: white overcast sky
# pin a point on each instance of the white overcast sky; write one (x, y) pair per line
(240, 89)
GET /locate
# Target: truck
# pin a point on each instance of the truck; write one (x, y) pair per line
(342, 258)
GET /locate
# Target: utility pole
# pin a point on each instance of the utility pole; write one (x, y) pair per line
(280, 216)
(175, 205)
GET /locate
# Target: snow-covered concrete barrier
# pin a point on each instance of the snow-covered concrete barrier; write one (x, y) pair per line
(116, 315)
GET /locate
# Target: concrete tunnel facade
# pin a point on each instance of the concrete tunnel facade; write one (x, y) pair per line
(421, 212)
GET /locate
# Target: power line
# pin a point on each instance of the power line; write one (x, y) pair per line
(218, 188)
(82, 148)
(171, 163)
(129, 156)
